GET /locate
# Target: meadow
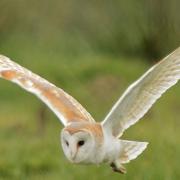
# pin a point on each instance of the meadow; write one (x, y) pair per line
(30, 149)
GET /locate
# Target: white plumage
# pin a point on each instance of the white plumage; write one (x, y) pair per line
(142, 94)
(84, 140)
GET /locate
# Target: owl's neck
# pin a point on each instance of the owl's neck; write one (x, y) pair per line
(111, 147)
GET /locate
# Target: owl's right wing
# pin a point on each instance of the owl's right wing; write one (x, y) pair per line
(62, 104)
(142, 94)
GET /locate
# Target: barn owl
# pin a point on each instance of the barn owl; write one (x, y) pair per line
(83, 139)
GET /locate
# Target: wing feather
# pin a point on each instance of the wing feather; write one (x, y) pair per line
(142, 94)
(62, 104)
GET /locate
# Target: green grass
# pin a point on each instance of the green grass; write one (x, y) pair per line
(96, 81)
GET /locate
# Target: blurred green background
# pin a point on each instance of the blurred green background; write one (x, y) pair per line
(93, 50)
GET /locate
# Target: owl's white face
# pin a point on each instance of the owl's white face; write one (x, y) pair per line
(78, 147)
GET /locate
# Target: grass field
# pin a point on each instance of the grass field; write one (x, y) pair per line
(96, 81)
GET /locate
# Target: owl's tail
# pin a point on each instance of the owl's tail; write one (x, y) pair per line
(131, 150)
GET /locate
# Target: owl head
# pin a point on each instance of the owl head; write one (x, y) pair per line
(80, 141)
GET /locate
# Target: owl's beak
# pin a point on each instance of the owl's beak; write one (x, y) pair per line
(73, 154)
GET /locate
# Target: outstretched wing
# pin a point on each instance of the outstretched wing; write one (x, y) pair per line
(142, 94)
(62, 104)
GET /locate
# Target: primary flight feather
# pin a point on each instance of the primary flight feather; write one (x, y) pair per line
(84, 140)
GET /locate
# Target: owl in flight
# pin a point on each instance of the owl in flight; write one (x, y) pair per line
(83, 139)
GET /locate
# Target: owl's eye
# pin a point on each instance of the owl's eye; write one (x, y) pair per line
(67, 143)
(81, 143)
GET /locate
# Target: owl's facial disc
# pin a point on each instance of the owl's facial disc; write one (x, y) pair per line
(77, 146)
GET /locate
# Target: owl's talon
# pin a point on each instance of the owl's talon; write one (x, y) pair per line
(121, 169)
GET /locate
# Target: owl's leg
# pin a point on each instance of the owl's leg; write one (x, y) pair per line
(118, 167)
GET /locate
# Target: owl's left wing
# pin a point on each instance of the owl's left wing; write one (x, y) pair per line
(62, 104)
(142, 94)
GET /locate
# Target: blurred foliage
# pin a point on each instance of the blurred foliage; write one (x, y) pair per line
(93, 50)
(147, 28)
